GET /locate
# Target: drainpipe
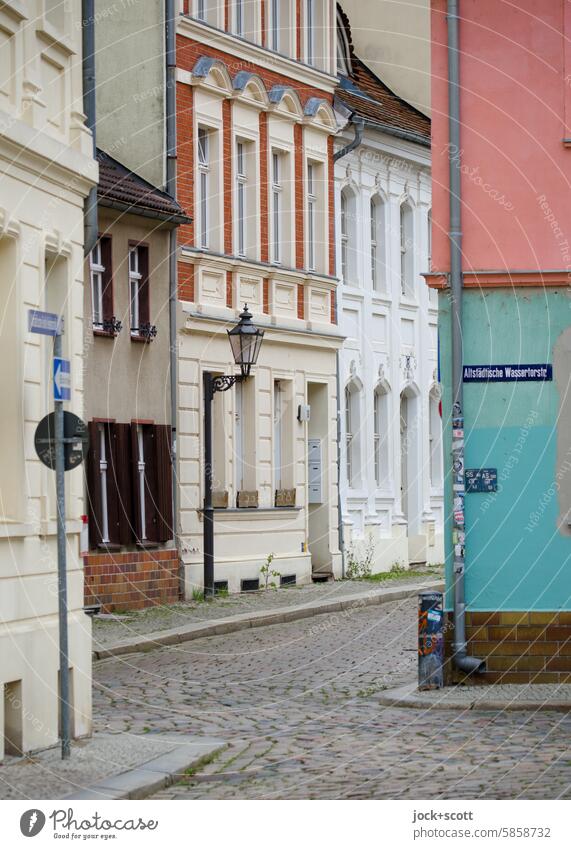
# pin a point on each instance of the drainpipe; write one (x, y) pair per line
(170, 110)
(461, 658)
(90, 230)
(359, 124)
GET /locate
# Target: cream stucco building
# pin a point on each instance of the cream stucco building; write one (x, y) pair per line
(391, 469)
(46, 170)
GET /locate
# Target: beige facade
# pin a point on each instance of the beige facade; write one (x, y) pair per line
(393, 39)
(130, 73)
(46, 170)
(127, 378)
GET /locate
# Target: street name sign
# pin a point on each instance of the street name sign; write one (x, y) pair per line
(481, 480)
(505, 373)
(76, 442)
(62, 379)
(47, 323)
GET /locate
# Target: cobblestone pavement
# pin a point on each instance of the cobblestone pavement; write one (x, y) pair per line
(110, 629)
(298, 704)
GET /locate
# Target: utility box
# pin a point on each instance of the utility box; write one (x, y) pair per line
(430, 641)
(314, 472)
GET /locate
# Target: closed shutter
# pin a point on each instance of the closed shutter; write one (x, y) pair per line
(150, 483)
(163, 467)
(107, 263)
(94, 486)
(144, 286)
(122, 481)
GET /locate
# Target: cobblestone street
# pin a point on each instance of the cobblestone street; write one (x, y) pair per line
(298, 705)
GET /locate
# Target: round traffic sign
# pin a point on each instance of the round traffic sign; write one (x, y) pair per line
(76, 442)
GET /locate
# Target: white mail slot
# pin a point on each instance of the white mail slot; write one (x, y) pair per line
(314, 472)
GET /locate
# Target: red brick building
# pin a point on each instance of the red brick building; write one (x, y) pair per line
(255, 126)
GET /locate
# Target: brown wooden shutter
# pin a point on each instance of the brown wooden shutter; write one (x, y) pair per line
(94, 486)
(135, 483)
(151, 510)
(164, 482)
(112, 494)
(107, 262)
(122, 481)
(144, 286)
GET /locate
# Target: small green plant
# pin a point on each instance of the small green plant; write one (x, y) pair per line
(398, 568)
(197, 595)
(222, 592)
(360, 558)
(267, 573)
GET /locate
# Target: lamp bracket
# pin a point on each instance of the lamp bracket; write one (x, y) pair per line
(222, 382)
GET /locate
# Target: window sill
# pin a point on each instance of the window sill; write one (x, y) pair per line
(148, 546)
(106, 334)
(142, 339)
(109, 546)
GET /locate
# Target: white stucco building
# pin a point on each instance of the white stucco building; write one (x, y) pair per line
(391, 470)
(46, 170)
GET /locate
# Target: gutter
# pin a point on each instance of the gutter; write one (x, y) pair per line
(171, 218)
(90, 228)
(461, 659)
(170, 118)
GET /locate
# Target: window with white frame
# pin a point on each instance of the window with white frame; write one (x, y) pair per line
(351, 435)
(246, 19)
(102, 286)
(203, 187)
(139, 288)
(278, 434)
(207, 11)
(280, 26)
(241, 194)
(245, 188)
(344, 236)
(275, 25)
(315, 33)
(377, 227)
(97, 272)
(310, 31)
(277, 211)
(348, 235)
(315, 217)
(429, 238)
(102, 431)
(380, 433)
(406, 250)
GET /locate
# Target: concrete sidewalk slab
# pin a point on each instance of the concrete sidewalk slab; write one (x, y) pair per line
(491, 697)
(241, 621)
(154, 774)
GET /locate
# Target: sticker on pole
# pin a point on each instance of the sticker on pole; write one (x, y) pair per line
(62, 379)
(76, 443)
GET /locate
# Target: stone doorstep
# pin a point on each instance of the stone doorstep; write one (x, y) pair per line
(154, 774)
(242, 621)
(410, 697)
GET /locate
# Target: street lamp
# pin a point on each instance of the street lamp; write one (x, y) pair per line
(245, 341)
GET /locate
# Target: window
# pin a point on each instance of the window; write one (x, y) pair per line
(278, 434)
(139, 290)
(203, 187)
(380, 435)
(310, 31)
(101, 285)
(406, 250)
(129, 482)
(239, 437)
(429, 238)
(246, 200)
(276, 207)
(201, 10)
(377, 221)
(275, 25)
(241, 185)
(311, 213)
(349, 436)
(344, 236)
(246, 19)
(239, 17)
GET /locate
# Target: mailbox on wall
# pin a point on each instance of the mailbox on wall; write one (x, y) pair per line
(314, 471)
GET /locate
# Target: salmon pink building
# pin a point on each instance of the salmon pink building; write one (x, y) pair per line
(501, 168)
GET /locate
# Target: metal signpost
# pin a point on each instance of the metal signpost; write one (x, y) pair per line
(61, 444)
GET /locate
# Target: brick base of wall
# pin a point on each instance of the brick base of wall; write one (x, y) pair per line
(517, 647)
(131, 580)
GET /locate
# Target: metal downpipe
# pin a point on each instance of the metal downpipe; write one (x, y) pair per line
(90, 228)
(170, 117)
(359, 124)
(461, 659)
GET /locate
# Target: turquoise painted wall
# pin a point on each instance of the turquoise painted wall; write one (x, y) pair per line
(516, 558)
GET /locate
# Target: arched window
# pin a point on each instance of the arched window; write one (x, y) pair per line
(435, 437)
(377, 227)
(348, 236)
(380, 435)
(406, 250)
(352, 424)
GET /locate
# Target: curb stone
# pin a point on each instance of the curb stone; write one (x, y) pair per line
(409, 697)
(242, 621)
(155, 774)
